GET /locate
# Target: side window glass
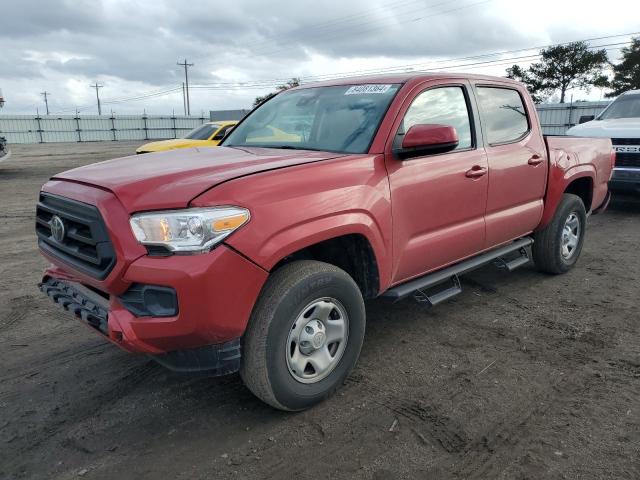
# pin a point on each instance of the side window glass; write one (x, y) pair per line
(221, 133)
(504, 115)
(441, 105)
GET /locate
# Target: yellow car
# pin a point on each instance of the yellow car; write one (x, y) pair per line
(206, 135)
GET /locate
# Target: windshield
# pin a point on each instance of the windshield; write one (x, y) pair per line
(203, 132)
(626, 106)
(336, 119)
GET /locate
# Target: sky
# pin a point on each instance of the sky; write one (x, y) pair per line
(245, 48)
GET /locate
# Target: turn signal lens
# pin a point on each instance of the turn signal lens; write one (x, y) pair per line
(230, 223)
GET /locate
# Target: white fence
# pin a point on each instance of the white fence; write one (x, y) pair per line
(92, 128)
(556, 119)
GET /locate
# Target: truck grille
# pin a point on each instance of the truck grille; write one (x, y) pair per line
(75, 233)
(625, 141)
(627, 158)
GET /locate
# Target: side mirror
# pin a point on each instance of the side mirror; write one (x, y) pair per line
(426, 139)
(586, 118)
(219, 136)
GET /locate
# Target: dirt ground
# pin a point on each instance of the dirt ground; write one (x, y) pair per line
(523, 376)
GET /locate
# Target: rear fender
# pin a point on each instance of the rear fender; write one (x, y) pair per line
(564, 170)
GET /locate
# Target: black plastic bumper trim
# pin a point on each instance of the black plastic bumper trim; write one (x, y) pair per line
(79, 300)
(219, 359)
(150, 300)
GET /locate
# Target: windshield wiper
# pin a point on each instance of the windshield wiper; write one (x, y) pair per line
(287, 147)
(290, 147)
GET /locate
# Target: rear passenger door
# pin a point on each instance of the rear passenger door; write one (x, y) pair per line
(438, 205)
(517, 162)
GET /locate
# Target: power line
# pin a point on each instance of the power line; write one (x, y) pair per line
(97, 86)
(412, 67)
(355, 29)
(45, 94)
(123, 99)
(417, 67)
(186, 81)
(326, 28)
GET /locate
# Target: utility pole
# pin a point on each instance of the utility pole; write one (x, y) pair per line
(186, 81)
(46, 100)
(184, 100)
(97, 86)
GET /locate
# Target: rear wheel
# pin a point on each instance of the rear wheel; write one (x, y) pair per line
(557, 247)
(304, 335)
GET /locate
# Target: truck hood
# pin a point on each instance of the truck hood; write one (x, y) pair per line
(614, 128)
(164, 180)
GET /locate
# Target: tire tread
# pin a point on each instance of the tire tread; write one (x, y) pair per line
(546, 246)
(253, 370)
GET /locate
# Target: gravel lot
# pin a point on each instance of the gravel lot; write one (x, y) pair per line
(522, 376)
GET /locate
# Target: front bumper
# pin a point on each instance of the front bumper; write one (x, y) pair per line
(215, 294)
(625, 180)
(92, 308)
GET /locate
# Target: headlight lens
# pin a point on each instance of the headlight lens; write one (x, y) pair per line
(192, 230)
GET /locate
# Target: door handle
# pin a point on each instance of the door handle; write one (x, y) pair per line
(535, 160)
(476, 172)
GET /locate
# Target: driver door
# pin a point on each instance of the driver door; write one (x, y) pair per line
(439, 200)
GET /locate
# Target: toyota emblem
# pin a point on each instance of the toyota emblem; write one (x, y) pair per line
(57, 228)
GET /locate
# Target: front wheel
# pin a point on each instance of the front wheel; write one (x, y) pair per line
(304, 335)
(556, 248)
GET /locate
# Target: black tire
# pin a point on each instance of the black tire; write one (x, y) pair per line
(547, 246)
(288, 290)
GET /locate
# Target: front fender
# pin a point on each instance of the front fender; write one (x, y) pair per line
(295, 207)
(297, 237)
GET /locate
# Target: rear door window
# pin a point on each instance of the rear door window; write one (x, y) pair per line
(503, 114)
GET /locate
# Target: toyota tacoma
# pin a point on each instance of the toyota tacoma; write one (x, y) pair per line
(257, 256)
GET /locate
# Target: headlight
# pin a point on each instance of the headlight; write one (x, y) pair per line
(194, 230)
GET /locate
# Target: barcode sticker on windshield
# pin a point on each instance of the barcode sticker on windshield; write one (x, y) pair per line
(362, 89)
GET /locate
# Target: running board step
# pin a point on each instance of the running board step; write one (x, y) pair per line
(419, 285)
(435, 298)
(511, 265)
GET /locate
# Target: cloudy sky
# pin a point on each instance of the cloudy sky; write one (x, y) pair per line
(244, 48)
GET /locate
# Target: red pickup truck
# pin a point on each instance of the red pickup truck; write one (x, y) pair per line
(257, 255)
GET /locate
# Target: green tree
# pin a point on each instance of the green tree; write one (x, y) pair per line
(626, 74)
(294, 82)
(563, 67)
(516, 72)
